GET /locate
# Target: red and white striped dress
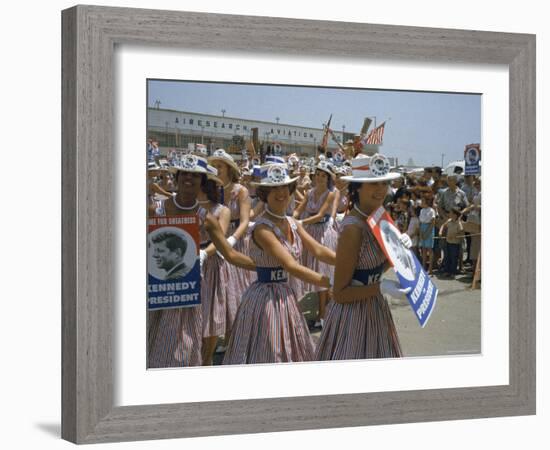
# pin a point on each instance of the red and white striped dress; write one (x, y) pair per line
(218, 310)
(323, 233)
(363, 329)
(239, 279)
(175, 335)
(269, 327)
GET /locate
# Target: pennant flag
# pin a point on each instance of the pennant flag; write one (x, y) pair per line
(324, 143)
(366, 125)
(376, 135)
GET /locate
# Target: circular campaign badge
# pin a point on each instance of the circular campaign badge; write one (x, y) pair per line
(189, 161)
(276, 174)
(379, 165)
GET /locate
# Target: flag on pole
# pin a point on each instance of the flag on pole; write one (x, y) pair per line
(366, 125)
(376, 135)
(324, 143)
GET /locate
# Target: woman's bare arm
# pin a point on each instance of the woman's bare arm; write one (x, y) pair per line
(347, 255)
(267, 240)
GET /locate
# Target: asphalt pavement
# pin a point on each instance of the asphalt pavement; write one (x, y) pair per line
(453, 328)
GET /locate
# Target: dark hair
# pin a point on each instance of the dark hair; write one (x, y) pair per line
(437, 170)
(173, 241)
(320, 149)
(263, 191)
(330, 182)
(353, 194)
(211, 190)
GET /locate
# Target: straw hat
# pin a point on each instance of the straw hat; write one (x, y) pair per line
(274, 175)
(326, 167)
(189, 163)
(365, 169)
(273, 159)
(221, 155)
(212, 174)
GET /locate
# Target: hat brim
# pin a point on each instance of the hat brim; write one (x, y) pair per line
(231, 164)
(388, 177)
(183, 169)
(282, 183)
(327, 171)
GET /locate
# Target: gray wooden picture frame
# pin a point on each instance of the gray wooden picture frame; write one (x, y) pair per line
(90, 34)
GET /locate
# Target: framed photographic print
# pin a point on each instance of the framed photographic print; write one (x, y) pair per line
(108, 395)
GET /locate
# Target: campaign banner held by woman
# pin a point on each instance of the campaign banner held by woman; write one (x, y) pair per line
(423, 292)
(173, 264)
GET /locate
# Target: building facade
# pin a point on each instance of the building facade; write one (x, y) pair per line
(177, 129)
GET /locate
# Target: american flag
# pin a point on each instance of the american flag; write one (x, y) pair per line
(375, 136)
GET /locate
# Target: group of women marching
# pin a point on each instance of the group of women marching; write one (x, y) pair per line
(257, 263)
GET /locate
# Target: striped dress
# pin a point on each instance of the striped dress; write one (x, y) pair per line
(269, 327)
(342, 209)
(174, 337)
(323, 233)
(218, 311)
(363, 329)
(239, 278)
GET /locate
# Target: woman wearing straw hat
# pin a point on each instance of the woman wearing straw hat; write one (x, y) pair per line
(269, 326)
(359, 322)
(318, 222)
(218, 312)
(235, 197)
(175, 335)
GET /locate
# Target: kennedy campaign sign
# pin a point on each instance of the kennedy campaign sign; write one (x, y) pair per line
(172, 262)
(410, 273)
(472, 157)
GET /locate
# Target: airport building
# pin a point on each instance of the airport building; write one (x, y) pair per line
(176, 129)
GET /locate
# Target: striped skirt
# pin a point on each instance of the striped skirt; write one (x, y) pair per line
(269, 328)
(174, 338)
(360, 330)
(239, 279)
(327, 236)
(218, 309)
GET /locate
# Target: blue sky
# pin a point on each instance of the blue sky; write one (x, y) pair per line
(420, 125)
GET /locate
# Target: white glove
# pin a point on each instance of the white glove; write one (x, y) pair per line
(406, 240)
(393, 289)
(202, 256)
(232, 240)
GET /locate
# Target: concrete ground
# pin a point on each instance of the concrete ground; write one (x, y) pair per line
(453, 328)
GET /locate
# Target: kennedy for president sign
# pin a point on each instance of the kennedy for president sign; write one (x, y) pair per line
(172, 262)
(410, 273)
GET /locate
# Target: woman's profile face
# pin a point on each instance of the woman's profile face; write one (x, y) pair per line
(222, 168)
(372, 195)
